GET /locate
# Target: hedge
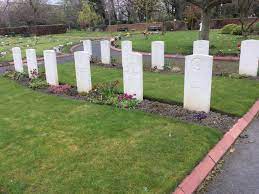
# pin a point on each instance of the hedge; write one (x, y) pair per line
(38, 30)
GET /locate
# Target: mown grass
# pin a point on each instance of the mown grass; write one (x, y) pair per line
(41, 43)
(181, 42)
(233, 96)
(50, 144)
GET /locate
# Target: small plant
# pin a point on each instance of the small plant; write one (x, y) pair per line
(127, 101)
(61, 89)
(155, 69)
(237, 76)
(113, 60)
(38, 83)
(168, 66)
(34, 74)
(94, 60)
(15, 75)
(108, 93)
(200, 116)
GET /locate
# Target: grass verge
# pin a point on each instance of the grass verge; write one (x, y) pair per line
(229, 95)
(50, 144)
(181, 42)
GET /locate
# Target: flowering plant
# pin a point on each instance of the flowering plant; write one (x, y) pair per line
(127, 101)
(34, 74)
(60, 89)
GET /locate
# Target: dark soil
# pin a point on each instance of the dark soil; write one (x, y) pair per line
(212, 119)
(220, 121)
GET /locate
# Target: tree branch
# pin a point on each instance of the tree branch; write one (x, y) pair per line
(195, 2)
(214, 3)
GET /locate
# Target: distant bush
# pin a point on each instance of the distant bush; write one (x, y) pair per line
(256, 28)
(35, 30)
(228, 28)
(237, 30)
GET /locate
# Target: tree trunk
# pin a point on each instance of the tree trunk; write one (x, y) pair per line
(206, 18)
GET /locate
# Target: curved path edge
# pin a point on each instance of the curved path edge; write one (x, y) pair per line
(178, 56)
(71, 51)
(191, 183)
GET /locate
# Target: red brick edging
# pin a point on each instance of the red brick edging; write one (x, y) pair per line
(176, 56)
(191, 183)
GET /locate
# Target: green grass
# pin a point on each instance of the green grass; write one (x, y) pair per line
(42, 43)
(181, 42)
(50, 144)
(233, 96)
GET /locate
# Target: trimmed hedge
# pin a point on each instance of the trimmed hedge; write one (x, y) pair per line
(38, 30)
(233, 29)
(237, 30)
(228, 29)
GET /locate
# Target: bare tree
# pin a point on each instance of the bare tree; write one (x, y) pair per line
(206, 7)
(245, 9)
(4, 12)
(174, 8)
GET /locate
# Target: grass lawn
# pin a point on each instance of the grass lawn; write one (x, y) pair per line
(50, 144)
(234, 96)
(181, 42)
(44, 42)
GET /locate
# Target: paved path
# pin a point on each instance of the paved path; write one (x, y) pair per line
(219, 66)
(147, 59)
(240, 171)
(114, 54)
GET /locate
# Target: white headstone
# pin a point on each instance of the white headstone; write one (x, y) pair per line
(201, 47)
(249, 57)
(31, 62)
(197, 82)
(83, 71)
(50, 61)
(158, 55)
(88, 46)
(126, 48)
(106, 51)
(17, 59)
(133, 76)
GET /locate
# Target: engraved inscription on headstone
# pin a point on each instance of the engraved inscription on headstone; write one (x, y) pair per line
(32, 62)
(158, 58)
(133, 76)
(106, 51)
(197, 82)
(50, 61)
(83, 71)
(201, 47)
(17, 59)
(88, 46)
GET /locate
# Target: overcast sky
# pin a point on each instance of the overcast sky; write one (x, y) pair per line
(53, 1)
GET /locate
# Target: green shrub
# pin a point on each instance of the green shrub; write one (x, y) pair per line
(228, 28)
(15, 75)
(256, 28)
(38, 83)
(237, 30)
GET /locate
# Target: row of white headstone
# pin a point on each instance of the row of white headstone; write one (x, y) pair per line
(82, 64)
(197, 82)
(198, 73)
(198, 70)
(249, 56)
(32, 65)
